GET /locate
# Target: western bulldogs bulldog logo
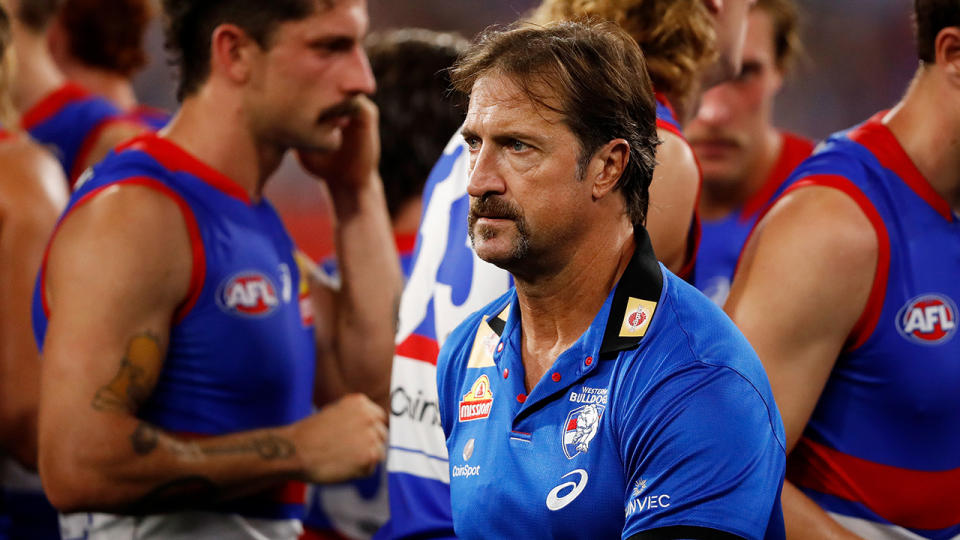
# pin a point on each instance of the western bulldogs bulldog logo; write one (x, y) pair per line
(929, 319)
(580, 428)
(249, 293)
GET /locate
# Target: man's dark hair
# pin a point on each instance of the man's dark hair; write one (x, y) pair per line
(190, 26)
(107, 34)
(930, 17)
(37, 14)
(785, 20)
(417, 112)
(596, 72)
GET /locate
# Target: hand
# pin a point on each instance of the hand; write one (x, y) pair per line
(358, 157)
(346, 439)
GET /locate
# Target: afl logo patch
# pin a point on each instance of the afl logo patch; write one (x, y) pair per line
(929, 319)
(249, 293)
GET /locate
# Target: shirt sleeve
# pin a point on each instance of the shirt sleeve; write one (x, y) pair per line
(699, 450)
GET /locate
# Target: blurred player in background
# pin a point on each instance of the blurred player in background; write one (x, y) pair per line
(848, 290)
(105, 65)
(417, 114)
(78, 127)
(32, 194)
(744, 158)
(688, 44)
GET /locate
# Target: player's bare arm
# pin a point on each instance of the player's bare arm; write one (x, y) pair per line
(118, 269)
(673, 197)
(364, 309)
(32, 194)
(802, 284)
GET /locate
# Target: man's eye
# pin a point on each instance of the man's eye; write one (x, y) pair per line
(472, 142)
(517, 146)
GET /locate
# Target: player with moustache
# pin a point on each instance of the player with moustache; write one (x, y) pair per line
(180, 360)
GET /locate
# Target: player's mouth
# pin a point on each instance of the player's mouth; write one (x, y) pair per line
(706, 148)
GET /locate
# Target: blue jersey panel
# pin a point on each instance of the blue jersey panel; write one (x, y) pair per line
(240, 356)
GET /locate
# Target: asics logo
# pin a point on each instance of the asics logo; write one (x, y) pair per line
(555, 501)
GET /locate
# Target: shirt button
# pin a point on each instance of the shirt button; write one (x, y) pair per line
(521, 397)
(500, 347)
(588, 361)
(556, 377)
(506, 372)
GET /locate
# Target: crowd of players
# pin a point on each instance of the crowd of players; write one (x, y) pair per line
(201, 377)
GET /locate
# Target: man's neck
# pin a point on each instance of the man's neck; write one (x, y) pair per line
(112, 86)
(210, 125)
(557, 309)
(718, 200)
(929, 132)
(35, 73)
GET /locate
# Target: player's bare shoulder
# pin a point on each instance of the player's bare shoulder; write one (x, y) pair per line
(32, 181)
(673, 196)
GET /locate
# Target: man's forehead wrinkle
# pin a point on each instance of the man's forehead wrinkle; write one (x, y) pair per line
(507, 93)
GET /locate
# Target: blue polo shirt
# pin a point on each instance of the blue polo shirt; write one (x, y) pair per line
(659, 416)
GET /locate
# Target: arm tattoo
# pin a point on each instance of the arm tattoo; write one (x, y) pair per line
(268, 447)
(144, 439)
(134, 381)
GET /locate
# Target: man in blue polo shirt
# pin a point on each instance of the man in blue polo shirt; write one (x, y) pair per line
(602, 396)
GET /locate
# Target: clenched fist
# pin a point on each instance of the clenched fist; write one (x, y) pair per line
(346, 439)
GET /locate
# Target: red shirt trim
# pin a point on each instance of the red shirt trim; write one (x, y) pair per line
(90, 141)
(867, 321)
(793, 151)
(52, 103)
(419, 348)
(176, 159)
(881, 142)
(199, 266)
(909, 498)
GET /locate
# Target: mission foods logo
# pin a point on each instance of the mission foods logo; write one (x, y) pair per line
(477, 402)
(249, 293)
(929, 319)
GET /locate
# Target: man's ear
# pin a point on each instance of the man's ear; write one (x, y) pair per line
(607, 166)
(231, 52)
(946, 48)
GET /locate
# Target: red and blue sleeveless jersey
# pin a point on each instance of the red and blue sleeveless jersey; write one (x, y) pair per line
(241, 353)
(881, 452)
(723, 239)
(447, 283)
(667, 120)
(68, 122)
